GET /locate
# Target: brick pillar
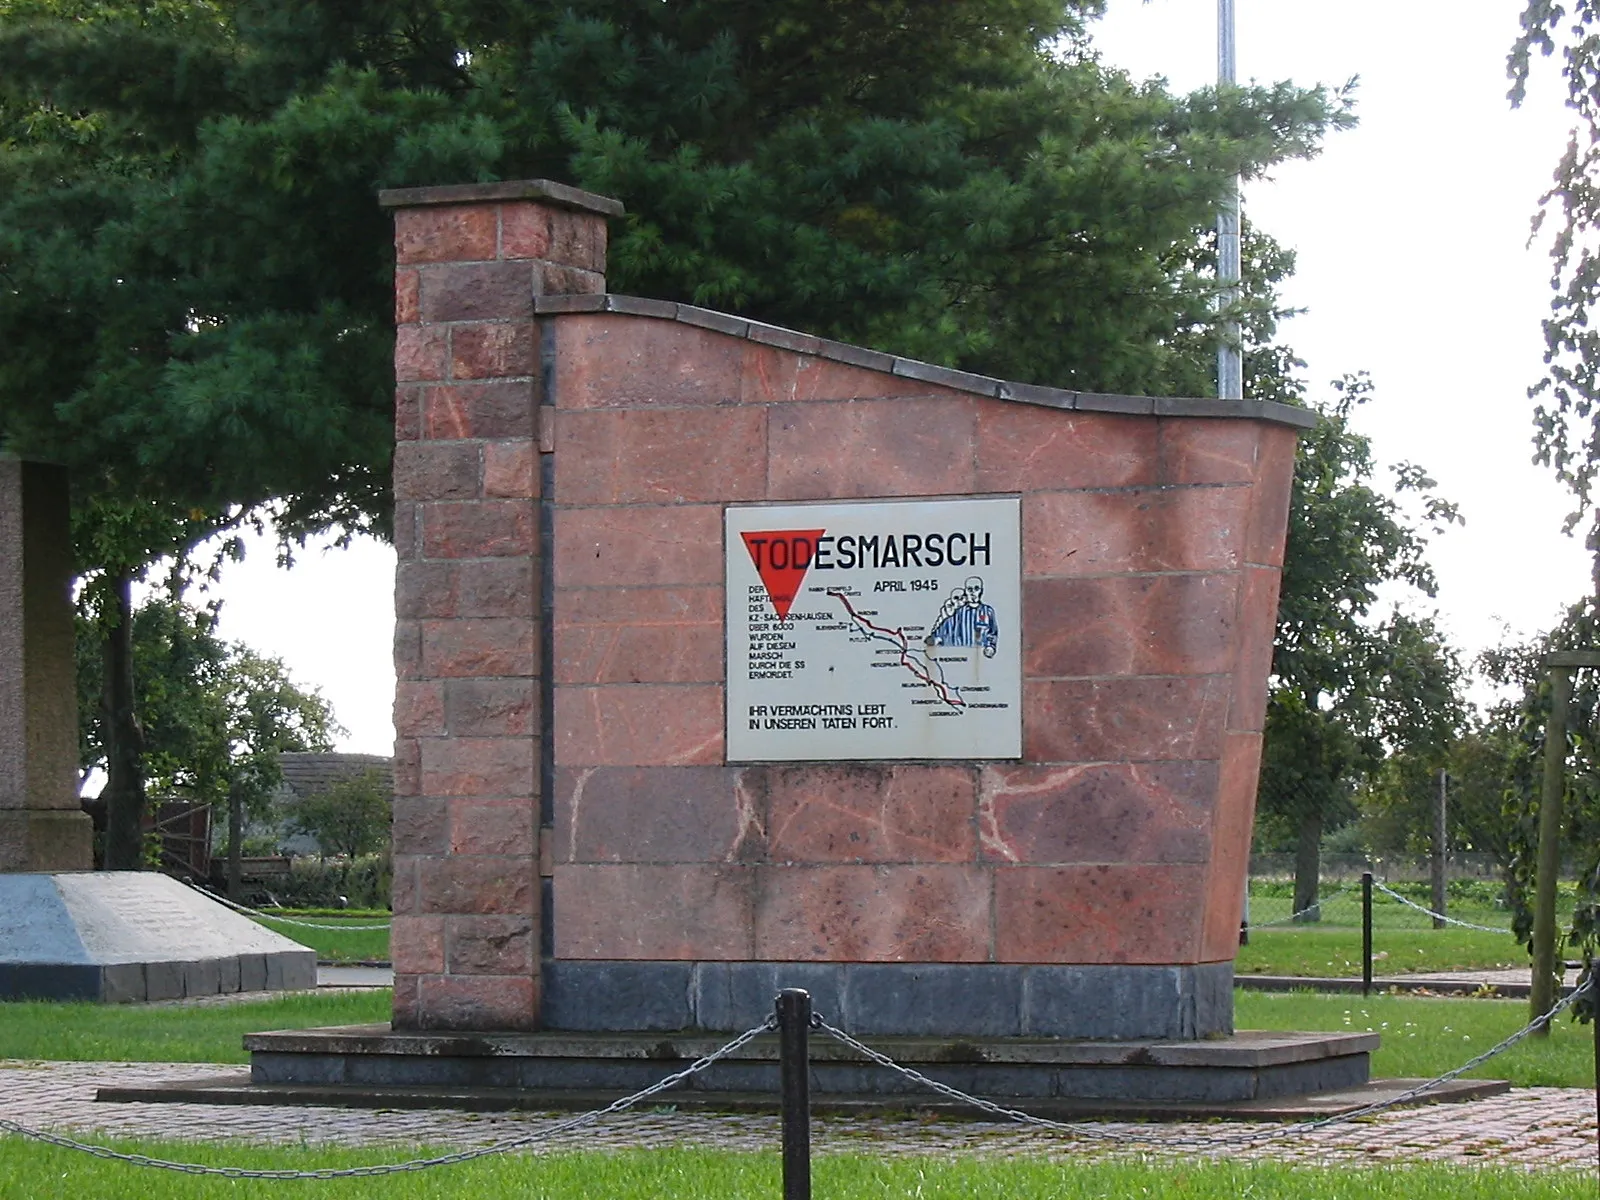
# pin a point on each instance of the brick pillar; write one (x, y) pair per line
(42, 825)
(469, 262)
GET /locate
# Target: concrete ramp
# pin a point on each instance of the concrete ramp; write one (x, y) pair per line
(127, 936)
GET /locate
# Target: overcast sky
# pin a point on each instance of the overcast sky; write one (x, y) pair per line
(1411, 232)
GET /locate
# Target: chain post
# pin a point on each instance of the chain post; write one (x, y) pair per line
(794, 1030)
(1366, 933)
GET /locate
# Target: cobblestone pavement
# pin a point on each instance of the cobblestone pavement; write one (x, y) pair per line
(1528, 1127)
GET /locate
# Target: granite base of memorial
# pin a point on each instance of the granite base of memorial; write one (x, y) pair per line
(1248, 1075)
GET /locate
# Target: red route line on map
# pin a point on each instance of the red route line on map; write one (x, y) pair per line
(898, 637)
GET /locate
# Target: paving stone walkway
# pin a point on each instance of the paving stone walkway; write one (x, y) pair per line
(1539, 1128)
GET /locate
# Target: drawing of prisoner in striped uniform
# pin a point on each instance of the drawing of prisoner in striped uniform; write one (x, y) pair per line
(965, 620)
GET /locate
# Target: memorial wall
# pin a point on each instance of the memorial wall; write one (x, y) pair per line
(732, 659)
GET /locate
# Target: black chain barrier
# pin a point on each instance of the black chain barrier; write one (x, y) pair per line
(793, 1019)
(415, 1164)
(1247, 1137)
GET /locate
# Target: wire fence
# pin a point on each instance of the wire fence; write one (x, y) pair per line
(1339, 906)
(256, 914)
(1207, 1141)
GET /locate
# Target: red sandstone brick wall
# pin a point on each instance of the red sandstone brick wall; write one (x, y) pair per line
(1151, 547)
(466, 889)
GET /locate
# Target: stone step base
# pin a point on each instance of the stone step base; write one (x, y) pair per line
(1247, 1066)
(234, 1087)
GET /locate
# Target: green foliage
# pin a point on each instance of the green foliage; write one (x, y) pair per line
(363, 882)
(1353, 696)
(1567, 420)
(1520, 727)
(215, 715)
(197, 280)
(351, 818)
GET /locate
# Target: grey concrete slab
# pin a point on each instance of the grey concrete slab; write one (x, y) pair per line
(129, 936)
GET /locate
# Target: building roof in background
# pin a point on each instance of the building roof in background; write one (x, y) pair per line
(310, 773)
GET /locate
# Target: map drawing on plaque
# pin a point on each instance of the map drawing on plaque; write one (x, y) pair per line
(881, 629)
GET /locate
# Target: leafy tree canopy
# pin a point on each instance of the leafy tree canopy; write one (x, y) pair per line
(215, 715)
(1566, 419)
(351, 818)
(1348, 687)
(195, 279)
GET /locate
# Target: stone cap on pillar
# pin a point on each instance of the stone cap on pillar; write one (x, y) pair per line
(559, 194)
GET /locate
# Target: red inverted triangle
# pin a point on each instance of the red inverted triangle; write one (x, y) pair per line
(782, 557)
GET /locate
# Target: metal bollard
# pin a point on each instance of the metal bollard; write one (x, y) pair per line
(1366, 933)
(794, 1029)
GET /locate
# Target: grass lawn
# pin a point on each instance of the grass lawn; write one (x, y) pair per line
(140, 1033)
(44, 1173)
(1335, 951)
(1403, 940)
(1426, 1036)
(335, 944)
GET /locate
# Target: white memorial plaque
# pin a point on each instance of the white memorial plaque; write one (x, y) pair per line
(873, 630)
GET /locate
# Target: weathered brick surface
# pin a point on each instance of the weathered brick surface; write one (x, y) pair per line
(639, 725)
(475, 884)
(1196, 450)
(506, 828)
(419, 708)
(1098, 914)
(866, 813)
(1230, 846)
(485, 646)
(474, 706)
(576, 240)
(689, 814)
(1154, 812)
(416, 945)
(930, 913)
(1021, 447)
(493, 351)
(1102, 533)
(480, 410)
(605, 361)
(421, 352)
(680, 911)
(616, 547)
(662, 457)
(479, 529)
(639, 635)
(446, 233)
(477, 292)
(421, 825)
(461, 766)
(511, 469)
(466, 479)
(437, 470)
(897, 447)
(407, 297)
(490, 945)
(1129, 625)
(500, 1002)
(1123, 719)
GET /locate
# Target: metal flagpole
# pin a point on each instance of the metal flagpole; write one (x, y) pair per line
(1230, 360)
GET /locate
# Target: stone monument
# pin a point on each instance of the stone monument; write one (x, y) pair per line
(42, 825)
(67, 932)
(733, 659)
